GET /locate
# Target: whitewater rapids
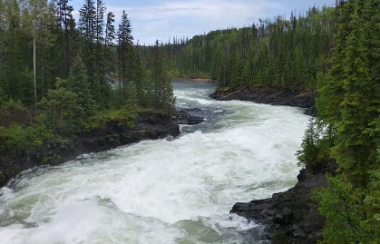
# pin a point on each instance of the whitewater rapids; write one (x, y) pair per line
(162, 192)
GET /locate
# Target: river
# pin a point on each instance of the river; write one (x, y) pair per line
(163, 191)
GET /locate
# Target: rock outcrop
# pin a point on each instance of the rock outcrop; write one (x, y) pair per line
(108, 136)
(274, 96)
(288, 217)
(188, 116)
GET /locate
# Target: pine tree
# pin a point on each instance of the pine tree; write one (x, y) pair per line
(108, 55)
(66, 35)
(137, 74)
(163, 96)
(125, 49)
(59, 109)
(88, 32)
(129, 112)
(78, 83)
(18, 78)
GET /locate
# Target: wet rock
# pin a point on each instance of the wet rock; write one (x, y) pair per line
(3, 180)
(170, 138)
(272, 96)
(312, 111)
(288, 217)
(187, 117)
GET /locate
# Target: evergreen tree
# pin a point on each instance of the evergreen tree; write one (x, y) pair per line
(65, 35)
(59, 109)
(78, 84)
(108, 55)
(88, 31)
(125, 52)
(129, 111)
(138, 74)
(163, 96)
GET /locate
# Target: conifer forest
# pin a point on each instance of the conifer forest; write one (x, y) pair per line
(60, 77)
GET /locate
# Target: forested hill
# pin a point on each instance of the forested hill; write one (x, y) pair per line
(60, 76)
(277, 53)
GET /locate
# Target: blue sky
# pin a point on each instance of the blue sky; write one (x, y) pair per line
(164, 19)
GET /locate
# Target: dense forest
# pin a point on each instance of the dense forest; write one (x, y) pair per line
(60, 76)
(346, 132)
(282, 52)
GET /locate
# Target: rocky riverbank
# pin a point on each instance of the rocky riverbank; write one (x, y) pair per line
(108, 136)
(274, 96)
(289, 217)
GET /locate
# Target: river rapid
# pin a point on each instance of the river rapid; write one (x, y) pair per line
(163, 191)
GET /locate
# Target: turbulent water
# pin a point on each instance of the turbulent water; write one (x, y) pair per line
(162, 191)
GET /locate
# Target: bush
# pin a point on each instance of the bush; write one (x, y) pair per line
(343, 209)
(20, 137)
(6, 106)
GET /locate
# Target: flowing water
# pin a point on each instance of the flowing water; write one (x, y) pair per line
(162, 191)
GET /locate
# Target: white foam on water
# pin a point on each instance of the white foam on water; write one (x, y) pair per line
(161, 191)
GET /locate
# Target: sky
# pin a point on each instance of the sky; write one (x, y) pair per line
(165, 19)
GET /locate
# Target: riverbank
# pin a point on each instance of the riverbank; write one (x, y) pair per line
(108, 136)
(288, 217)
(273, 96)
(292, 216)
(200, 80)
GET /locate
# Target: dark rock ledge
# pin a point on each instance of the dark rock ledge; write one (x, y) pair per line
(108, 136)
(288, 217)
(190, 116)
(273, 96)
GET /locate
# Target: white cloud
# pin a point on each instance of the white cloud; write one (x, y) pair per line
(187, 18)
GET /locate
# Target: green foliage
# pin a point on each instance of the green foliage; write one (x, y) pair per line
(84, 79)
(343, 209)
(372, 206)
(2, 97)
(23, 137)
(348, 103)
(59, 109)
(129, 112)
(315, 147)
(163, 89)
(11, 105)
(78, 84)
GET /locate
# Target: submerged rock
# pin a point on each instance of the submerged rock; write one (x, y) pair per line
(188, 116)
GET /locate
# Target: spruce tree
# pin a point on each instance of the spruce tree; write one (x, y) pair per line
(66, 35)
(125, 49)
(78, 83)
(108, 55)
(88, 32)
(129, 112)
(163, 96)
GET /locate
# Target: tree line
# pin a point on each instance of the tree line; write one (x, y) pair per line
(66, 75)
(284, 53)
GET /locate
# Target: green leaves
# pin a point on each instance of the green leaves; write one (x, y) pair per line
(316, 147)
(23, 137)
(343, 210)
